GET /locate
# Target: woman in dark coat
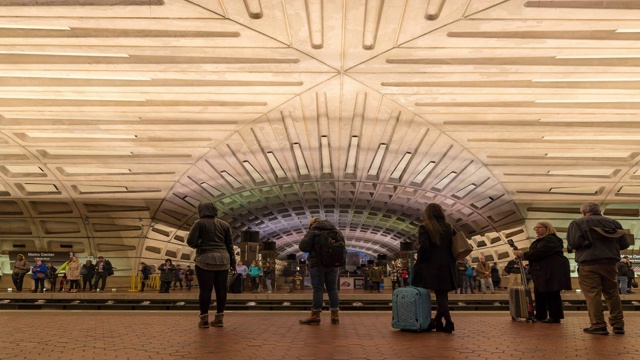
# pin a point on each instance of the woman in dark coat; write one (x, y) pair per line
(549, 270)
(435, 268)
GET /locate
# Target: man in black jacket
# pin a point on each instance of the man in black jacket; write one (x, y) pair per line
(597, 241)
(515, 274)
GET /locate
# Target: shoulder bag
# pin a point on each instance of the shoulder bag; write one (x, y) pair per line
(460, 246)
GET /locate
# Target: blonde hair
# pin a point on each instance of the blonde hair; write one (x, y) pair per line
(548, 226)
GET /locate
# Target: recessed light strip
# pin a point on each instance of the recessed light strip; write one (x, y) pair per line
(377, 160)
(352, 156)
(402, 165)
(35, 27)
(63, 54)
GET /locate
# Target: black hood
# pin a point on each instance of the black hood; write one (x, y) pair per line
(321, 225)
(207, 210)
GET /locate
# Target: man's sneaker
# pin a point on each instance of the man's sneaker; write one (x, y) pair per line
(596, 331)
(618, 330)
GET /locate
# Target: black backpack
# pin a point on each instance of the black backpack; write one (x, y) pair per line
(332, 251)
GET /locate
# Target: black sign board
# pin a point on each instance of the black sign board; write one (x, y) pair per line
(55, 257)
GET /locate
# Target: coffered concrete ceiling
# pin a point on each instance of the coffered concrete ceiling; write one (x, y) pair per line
(117, 117)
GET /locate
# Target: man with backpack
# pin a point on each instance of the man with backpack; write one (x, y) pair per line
(327, 253)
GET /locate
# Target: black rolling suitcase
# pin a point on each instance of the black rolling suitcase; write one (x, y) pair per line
(234, 285)
(520, 299)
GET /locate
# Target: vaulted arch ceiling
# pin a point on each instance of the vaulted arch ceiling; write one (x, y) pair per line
(117, 117)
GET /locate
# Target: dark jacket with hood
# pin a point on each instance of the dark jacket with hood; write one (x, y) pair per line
(308, 242)
(210, 234)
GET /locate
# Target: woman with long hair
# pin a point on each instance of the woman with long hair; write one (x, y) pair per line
(73, 274)
(435, 267)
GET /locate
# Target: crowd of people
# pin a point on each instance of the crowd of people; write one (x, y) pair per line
(70, 274)
(596, 240)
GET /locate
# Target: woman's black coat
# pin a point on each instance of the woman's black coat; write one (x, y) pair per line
(548, 267)
(435, 268)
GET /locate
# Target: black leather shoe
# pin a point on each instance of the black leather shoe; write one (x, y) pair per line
(448, 327)
(432, 325)
(618, 330)
(551, 321)
(439, 326)
(596, 331)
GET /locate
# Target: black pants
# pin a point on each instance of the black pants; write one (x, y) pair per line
(75, 284)
(209, 280)
(165, 286)
(86, 281)
(178, 282)
(18, 280)
(143, 283)
(52, 280)
(100, 276)
(442, 300)
(548, 304)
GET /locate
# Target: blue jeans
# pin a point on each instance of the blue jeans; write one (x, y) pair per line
(468, 284)
(322, 278)
(622, 284)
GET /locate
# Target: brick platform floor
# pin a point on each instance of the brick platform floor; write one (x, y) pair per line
(141, 335)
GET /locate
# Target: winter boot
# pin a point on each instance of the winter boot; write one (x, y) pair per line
(204, 321)
(314, 319)
(217, 321)
(335, 318)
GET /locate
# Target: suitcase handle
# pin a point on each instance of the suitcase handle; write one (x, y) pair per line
(411, 264)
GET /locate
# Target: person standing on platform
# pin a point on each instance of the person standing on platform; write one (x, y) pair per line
(88, 271)
(435, 268)
(52, 276)
(469, 282)
(244, 271)
(321, 277)
(375, 276)
(178, 276)
(461, 268)
(167, 273)
(623, 270)
(20, 269)
(73, 274)
(513, 269)
(188, 277)
(211, 237)
(631, 274)
(146, 271)
(103, 270)
(394, 275)
(495, 276)
(549, 270)
(484, 275)
(255, 275)
(597, 255)
(39, 271)
(269, 273)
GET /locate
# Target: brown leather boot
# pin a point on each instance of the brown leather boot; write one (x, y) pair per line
(217, 321)
(204, 321)
(314, 319)
(335, 318)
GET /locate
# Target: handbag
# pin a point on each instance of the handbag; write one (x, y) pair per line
(40, 275)
(634, 284)
(460, 246)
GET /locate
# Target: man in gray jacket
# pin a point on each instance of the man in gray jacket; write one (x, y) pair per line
(597, 241)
